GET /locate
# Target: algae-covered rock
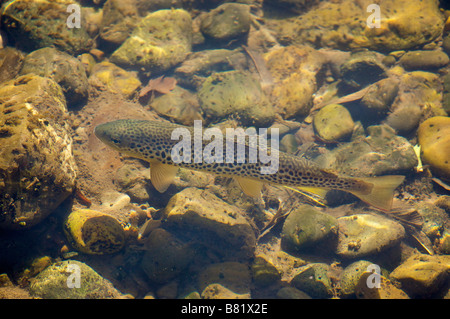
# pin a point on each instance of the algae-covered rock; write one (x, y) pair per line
(291, 293)
(419, 96)
(193, 71)
(296, 73)
(355, 70)
(306, 226)
(228, 21)
(37, 168)
(361, 235)
(11, 61)
(235, 93)
(333, 123)
(160, 41)
(64, 69)
(110, 77)
(313, 279)
(165, 256)
(200, 215)
(386, 290)
(234, 276)
(381, 152)
(351, 275)
(435, 219)
(380, 96)
(121, 17)
(422, 275)
(179, 105)
(343, 25)
(434, 139)
(93, 232)
(71, 279)
(264, 273)
(218, 291)
(424, 60)
(27, 23)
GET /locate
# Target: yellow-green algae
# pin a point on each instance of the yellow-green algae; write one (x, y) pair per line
(93, 232)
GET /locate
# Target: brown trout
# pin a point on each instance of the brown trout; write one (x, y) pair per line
(155, 142)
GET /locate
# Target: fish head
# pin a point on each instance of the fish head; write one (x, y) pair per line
(118, 134)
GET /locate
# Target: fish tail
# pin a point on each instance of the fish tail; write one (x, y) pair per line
(382, 192)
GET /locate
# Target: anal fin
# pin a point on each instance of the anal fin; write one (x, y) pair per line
(249, 186)
(162, 175)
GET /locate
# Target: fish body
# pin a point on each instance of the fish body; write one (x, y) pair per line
(153, 141)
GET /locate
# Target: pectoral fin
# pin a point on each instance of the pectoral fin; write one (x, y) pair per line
(162, 175)
(249, 186)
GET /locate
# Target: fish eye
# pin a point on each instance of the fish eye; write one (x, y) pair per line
(115, 141)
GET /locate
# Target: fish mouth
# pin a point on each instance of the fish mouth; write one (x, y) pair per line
(100, 131)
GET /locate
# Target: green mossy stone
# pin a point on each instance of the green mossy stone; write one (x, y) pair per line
(424, 60)
(226, 22)
(313, 279)
(306, 226)
(264, 273)
(93, 232)
(235, 93)
(55, 281)
(160, 41)
(333, 123)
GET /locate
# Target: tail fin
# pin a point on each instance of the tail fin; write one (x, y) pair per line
(382, 192)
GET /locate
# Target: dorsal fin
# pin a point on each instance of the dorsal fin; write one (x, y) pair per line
(250, 187)
(162, 175)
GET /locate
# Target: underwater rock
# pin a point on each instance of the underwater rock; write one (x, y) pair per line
(296, 72)
(235, 93)
(343, 25)
(422, 275)
(350, 277)
(37, 168)
(64, 69)
(354, 71)
(11, 61)
(233, 276)
(27, 24)
(446, 93)
(362, 234)
(387, 289)
(179, 105)
(434, 139)
(333, 123)
(313, 279)
(296, 6)
(165, 256)
(306, 226)
(93, 232)
(217, 291)
(424, 60)
(134, 182)
(121, 17)
(419, 96)
(58, 282)
(200, 215)
(435, 219)
(108, 76)
(380, 96)
(380, 153)
(264, 273)
(288, 144)
(226, 22)
(199, 65)
(291, 293)
(160, 41)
